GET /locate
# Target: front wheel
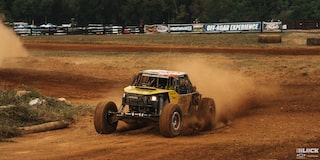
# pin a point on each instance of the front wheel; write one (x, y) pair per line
(104, 121)
(170, 120)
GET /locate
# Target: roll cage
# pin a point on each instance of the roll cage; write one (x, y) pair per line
(179, 83)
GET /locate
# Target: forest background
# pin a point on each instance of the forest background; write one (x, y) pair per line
(134, 12)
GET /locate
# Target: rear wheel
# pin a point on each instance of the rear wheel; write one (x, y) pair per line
(207, 111)
(104, 121)
(171, 121)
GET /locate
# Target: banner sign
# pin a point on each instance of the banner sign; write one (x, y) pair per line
(215, 27)
(180, 28)
(197, 27)
(233, 27)
(272, 26)
(161, 28)
(156, 28)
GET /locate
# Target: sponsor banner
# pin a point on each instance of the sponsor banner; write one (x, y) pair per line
(233, 27)
(180, 28)
(197, 27)
(272, 26)
(161, 28)
(156, 28)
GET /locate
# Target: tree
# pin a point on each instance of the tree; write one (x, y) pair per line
(153, 11)
(129, 12)
(182, 16)
(196, 10)
(310, 9)
(24, 10)
(156, 11)
(144, 11)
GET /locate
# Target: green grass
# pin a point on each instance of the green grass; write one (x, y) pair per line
(200, 40)
(229, 40)
(21, 114)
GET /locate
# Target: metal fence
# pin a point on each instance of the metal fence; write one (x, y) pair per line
(99, 29)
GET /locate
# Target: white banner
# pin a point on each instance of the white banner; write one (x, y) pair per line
(272, 26)
(156, 28)
(180, 28)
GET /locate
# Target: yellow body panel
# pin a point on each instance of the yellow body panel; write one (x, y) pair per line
(184, 100)
(144, 90)
(174, 97)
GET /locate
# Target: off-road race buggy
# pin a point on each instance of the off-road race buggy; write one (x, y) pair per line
(162, 96)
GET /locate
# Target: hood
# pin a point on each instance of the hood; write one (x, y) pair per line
(144, 90)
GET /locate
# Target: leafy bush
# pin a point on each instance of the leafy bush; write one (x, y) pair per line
(15, 110)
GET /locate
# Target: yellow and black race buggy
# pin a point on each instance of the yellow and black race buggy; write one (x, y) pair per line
(162, 96)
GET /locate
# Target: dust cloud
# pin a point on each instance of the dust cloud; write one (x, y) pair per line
(234, 93)
(10, 44)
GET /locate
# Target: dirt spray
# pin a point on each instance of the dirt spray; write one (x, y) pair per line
(10, 44)
(234, 93)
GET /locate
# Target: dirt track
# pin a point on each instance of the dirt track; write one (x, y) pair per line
(272, 128)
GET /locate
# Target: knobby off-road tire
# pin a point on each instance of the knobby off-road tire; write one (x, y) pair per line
(170, 123)
(207, 111)
(103, 120)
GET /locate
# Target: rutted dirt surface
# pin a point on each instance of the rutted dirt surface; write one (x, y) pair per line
(270, 128)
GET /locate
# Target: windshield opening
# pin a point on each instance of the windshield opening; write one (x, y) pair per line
(149, 81)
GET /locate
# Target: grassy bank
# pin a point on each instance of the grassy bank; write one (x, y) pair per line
(16, 110)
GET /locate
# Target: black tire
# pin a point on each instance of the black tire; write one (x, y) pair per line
(207, 111)
(103, 121)
(170, 120)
